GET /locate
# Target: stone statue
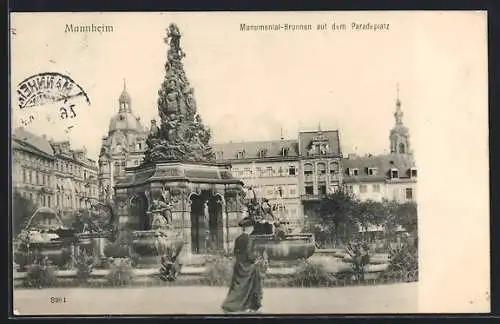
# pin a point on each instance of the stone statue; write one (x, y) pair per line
(172, 102)
(154, 128)
(158, 209)
(181, 135)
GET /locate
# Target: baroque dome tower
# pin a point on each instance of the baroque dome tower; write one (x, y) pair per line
(123, 146)
(125, 119)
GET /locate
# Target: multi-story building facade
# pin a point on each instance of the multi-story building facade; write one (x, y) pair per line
(320, 166)
(51, 174)
(271, 169)
(75, 177)
(392, 176)
(123, 146)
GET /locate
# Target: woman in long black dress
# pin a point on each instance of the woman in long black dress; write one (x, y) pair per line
(245, 291)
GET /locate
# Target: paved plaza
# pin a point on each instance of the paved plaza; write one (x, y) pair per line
(395, 298)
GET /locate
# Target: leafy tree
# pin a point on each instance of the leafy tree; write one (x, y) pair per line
(22, 209)
(406, 216)
(337, 211)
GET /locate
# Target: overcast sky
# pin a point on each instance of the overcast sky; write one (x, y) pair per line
(248, 85)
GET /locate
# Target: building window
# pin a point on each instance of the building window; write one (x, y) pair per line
(269, 171)
(291, 170)
(322, 189)
(262, 153)
(372, 171)
(362, 188)
(354, 172)
(140, 146)
(308, 169)
(321, 168)
(293, 192)
(284, 151)
(334, 167)
(409, 193)
(240, 155)
(413, 172)
(24, 175)
(376, 187)
(220, 155)
(309, 190)
(394, 173)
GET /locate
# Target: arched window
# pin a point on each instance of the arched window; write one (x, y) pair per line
(321, 168)
(308, 169)
(334, 168)
(402, 148)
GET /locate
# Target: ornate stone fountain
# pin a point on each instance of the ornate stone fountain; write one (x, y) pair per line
(179, 199)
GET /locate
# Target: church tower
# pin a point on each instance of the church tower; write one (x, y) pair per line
(399, 137)
(123, 146)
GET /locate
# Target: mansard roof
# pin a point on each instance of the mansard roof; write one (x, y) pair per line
(383, 163)
(253, 149)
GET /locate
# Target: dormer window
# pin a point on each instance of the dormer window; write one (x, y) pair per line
(240, 154)
(219, 155)
(284, 151)
(262, 153)
(372, 171)
(394, 173)
(413, 172)
(353, 171)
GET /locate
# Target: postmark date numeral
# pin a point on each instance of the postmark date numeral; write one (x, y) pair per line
(67, 112)
(58, 300)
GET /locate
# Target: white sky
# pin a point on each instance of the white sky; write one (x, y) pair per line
(248, 84)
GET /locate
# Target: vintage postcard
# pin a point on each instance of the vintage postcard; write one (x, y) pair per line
(249, 163)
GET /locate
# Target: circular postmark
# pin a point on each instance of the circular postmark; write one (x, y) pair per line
(50, 96)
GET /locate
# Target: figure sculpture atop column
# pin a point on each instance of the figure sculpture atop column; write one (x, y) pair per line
(181, 135)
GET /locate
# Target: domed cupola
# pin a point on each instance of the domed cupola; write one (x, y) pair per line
(125, 119)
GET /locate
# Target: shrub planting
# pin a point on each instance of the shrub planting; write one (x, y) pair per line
(121, 272)
(312, 275)
(403, 261)
(359, 257)
(84, 264)
(40, 274)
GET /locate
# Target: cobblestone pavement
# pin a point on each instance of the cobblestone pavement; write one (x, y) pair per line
(395, 298)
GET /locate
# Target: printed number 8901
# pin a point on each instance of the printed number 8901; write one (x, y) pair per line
(58, 300)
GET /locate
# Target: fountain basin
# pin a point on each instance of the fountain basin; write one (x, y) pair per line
(58, 252)
(291, 247)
